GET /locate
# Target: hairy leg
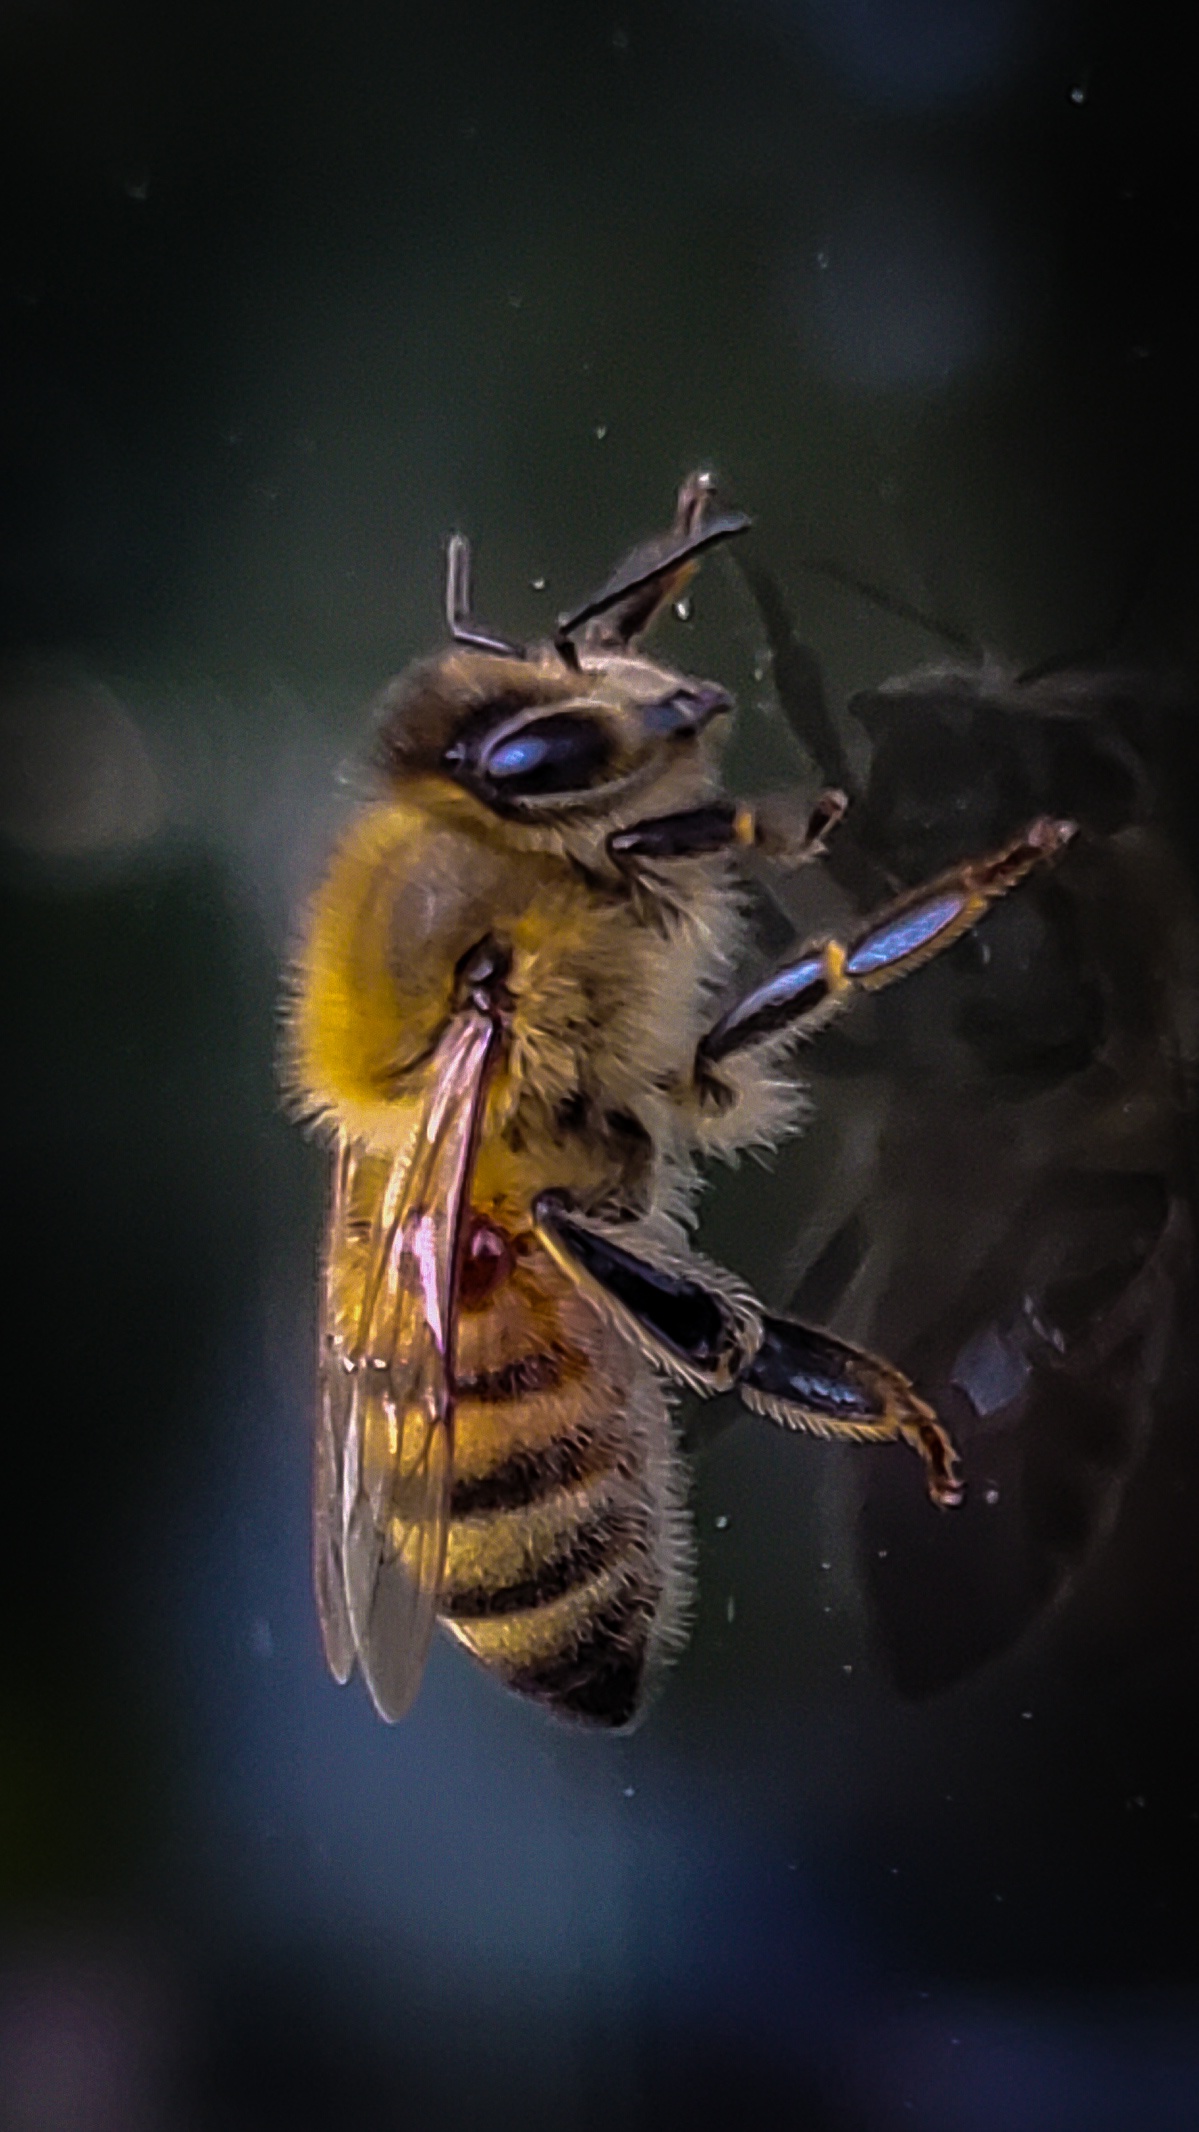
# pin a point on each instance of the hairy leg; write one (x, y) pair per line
(775, 826)
(704, 1329)
(895, 941)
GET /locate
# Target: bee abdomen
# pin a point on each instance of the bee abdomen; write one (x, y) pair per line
(514, 1380)
(531, 1472)
(584, 1653)
(580, 1555)
(599, 1676)
(567, 1566)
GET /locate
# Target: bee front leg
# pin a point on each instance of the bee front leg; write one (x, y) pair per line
(707, 1331)
(771, 826)
(895, 941)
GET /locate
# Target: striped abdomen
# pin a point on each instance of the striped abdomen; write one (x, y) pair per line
(567, 1566)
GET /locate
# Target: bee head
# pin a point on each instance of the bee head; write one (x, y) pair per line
(566, 733)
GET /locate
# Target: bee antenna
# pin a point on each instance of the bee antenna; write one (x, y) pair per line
(463, 625)
(644, 580)
(892, 603)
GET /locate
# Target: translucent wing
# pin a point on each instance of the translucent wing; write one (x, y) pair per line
(384, 1448)
(329, 1444)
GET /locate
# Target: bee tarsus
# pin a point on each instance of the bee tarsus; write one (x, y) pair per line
(805, 1379)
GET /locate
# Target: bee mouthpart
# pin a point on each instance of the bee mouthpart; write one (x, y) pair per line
(686, 710)
(479, 977)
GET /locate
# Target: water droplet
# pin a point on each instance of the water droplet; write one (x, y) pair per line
(682, 609)
(601, 431)
(826, 1565)
(991, 1494)
(630, 1791)
(822, 262)
(882, 1554)
(722, 1522)
(730, 1610)
(538, 584)
(847, 1669)
(1026, 1713)
(1078, 95)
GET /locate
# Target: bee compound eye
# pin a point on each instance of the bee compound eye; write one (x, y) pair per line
(568, 751)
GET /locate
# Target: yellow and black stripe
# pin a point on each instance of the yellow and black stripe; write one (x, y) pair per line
(555, 1575)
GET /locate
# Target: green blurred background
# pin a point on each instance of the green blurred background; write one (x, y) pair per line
(286, 294)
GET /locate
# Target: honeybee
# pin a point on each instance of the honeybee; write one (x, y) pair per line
(516, 1016)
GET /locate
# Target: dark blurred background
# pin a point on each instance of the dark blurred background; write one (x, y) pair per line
(287, 293)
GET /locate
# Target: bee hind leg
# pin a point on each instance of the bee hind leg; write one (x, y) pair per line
(705, 1330)
(811, 1381)
(696, 1323)
(894, 941)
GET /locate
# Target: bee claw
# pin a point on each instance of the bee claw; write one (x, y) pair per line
(943, 1476)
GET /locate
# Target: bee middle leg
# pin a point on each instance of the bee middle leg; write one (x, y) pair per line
(707, 1331)
(894, 941)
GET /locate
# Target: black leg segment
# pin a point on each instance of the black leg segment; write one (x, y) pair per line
(718, 1340)
(686, 1324)
(771, 826)
(810, 1380)
(693, 834)
(895, 941)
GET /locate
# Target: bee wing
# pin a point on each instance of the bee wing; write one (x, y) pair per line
(329, 1441)
(384, 1453)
